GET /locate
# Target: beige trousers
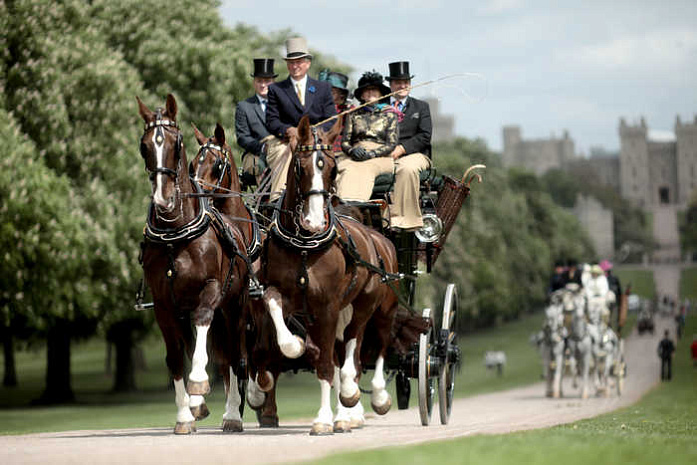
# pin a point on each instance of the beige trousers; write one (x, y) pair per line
(355, 179)
(405, 211)
(278, 158)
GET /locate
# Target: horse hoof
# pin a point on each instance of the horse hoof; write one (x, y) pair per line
(349, 402)
(198, 388)
(232, 426)
(268, 421)
(256, 402)
(265, 381)
(293, 349)
(185, 427)
(555, 395)
(321, 429)
(382, 409)
(342, 426)
(357, 423)
(200, 412)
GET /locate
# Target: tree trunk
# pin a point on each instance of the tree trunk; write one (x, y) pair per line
(121, 335)
(58, 380)
(10, 377)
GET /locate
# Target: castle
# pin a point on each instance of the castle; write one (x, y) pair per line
(647, 172)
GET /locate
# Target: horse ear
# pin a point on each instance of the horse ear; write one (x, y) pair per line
(219, 134)
(200, 138)
(304, 129)
(335, 131)
(144, 111)
(171, 106)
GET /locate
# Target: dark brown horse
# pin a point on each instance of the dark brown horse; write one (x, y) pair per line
(195, 277)
(321, 269)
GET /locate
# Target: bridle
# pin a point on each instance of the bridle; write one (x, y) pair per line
(324, 150)
(160, 125)
(221, 165)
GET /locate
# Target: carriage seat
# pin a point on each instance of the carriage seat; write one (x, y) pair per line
(384, 183)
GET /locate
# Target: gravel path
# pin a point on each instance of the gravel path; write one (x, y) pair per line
(502, 412)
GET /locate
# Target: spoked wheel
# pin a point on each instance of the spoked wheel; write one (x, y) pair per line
(447, 345)
(425, 381)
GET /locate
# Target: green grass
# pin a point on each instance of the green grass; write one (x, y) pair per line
(641, 281)
(97, 408)
(661, 428)
(688, 284)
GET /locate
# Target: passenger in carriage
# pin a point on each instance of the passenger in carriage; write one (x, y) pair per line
(250, 120)
(413, 152)
(289, 101)
(370, 136)
(573, 274)
(340, 93)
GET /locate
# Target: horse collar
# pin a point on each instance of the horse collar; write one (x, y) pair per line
(298, 241)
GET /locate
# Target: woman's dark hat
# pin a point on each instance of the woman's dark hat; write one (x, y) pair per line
(370, 79)
(399, 70)
(263, 67)
(337, 80)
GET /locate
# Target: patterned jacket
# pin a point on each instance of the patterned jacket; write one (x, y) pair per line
(374, 124)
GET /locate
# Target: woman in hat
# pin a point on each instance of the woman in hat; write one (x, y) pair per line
(370, 135)
(340, 93)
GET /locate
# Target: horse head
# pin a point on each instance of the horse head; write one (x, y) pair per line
(213, 168)
(313, 174)
(162, 150)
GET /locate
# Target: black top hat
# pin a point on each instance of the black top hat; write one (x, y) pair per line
(370, 79)
(263, 67)
(399, 70)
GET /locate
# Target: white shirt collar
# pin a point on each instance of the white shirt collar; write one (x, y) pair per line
(302, 82)
(260, 98)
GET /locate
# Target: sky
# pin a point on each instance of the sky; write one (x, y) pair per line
(544, 66)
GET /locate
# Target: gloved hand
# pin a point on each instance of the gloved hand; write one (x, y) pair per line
(370, 154)
(358, 154)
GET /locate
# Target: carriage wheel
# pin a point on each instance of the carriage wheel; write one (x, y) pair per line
(446, 380)
(425, 381)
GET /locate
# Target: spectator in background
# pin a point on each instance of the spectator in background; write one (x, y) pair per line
(693, 350)
(666, 349)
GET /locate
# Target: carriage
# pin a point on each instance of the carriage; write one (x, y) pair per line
(432, 360)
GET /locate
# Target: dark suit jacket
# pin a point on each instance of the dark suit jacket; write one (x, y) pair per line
(250, 125)
(284, 109)
(416, 127)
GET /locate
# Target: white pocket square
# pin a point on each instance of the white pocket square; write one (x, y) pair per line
(415, 115)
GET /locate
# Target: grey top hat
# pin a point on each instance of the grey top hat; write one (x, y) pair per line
(399, 70)
(296, 47)
(263, 68)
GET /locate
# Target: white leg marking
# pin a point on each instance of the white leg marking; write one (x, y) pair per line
(255, 396)
(348, 371)
(289, 344)
(181, 399)
(315, 213)
(233, 401)
(324, 415)
(342, 413)
(380, 395)
(345, 316)
(195, 401)
(200, 358)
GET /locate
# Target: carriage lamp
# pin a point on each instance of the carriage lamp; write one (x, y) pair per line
(431, 230)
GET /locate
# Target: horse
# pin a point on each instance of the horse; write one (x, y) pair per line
(194, 276)
(317, 268)
(605, 342)
(580, 342)
(554, 336)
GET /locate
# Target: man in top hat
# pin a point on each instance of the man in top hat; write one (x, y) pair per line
(290, 100)
(250, 120)
(413, 153)
(340, 93)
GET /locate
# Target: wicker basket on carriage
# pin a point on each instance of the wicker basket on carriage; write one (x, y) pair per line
(450, 200)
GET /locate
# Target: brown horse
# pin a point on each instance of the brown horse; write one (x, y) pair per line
(214, 169)
(195, 277)
(316, 267)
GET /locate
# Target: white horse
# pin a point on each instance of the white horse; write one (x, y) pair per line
(580, 343)
(553, 342)
(604, 340)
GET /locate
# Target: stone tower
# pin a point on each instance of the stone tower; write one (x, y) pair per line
(511, 141)
(686, 159)
(634, 163)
